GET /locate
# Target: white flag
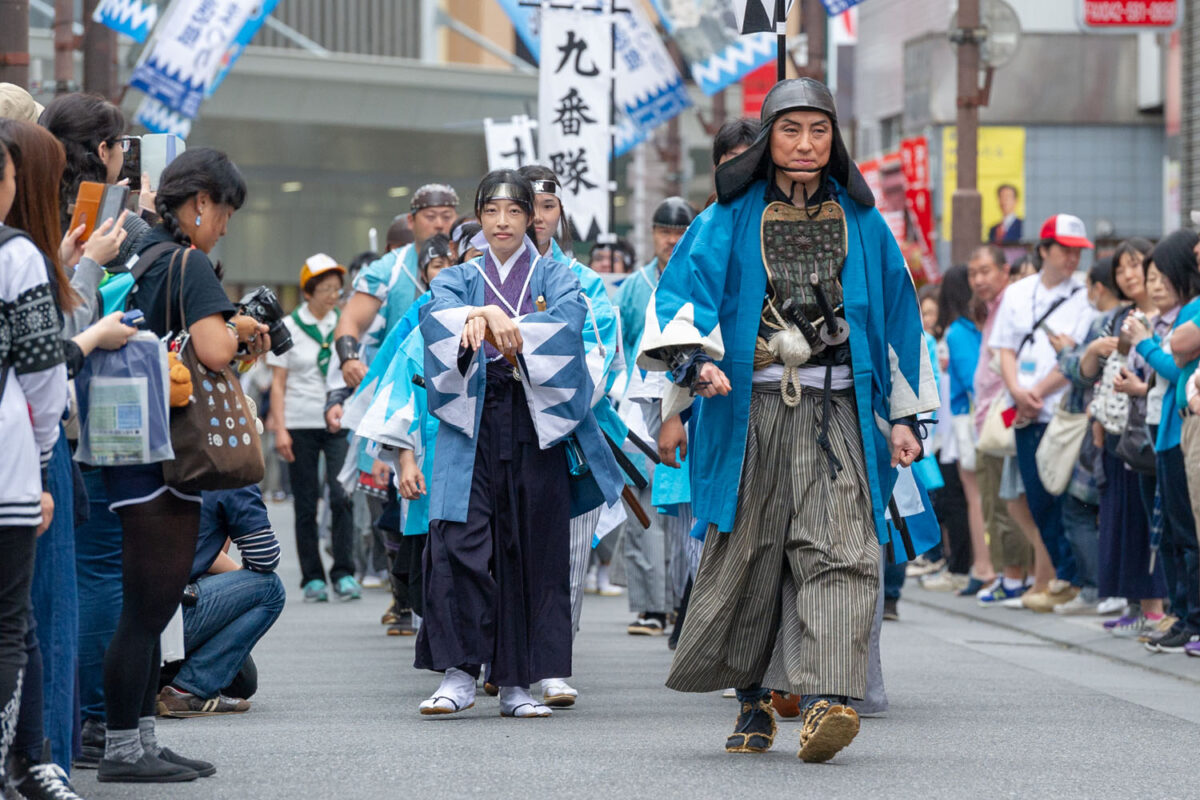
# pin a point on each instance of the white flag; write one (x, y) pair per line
(574, 101)
(758, 16)
(509, 142)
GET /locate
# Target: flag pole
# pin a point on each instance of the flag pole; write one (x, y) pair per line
(781, 34)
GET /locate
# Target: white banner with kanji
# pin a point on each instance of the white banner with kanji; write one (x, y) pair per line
(574, 101)
(509, 142)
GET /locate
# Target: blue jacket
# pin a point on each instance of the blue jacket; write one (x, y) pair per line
(711, 295)
(963, 340)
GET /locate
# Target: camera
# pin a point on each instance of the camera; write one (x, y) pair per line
(263, 306)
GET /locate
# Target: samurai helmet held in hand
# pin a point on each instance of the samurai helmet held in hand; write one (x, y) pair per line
(675, 213)
(797, 94)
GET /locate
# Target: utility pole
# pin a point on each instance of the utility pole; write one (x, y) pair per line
(815, 20)
(14, 42)
(99, 55)
(967, 205)
(64, 46)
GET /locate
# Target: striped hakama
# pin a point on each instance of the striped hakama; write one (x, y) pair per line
(799, 572)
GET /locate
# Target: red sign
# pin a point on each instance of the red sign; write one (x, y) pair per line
(1117, 16)
(755, 86)
(901, 184)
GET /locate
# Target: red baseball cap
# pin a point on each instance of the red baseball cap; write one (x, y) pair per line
(1067, 230)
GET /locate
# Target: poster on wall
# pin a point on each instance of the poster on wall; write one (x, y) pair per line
(903, 195)
(1001, 183)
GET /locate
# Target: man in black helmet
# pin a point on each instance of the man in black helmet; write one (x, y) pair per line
(787, 307)
(644, 550)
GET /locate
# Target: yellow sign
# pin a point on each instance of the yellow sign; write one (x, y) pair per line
(1001, 163)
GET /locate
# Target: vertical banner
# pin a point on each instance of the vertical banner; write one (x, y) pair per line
(650, 90)
(758, 16)
(901, 185)
(706, 32)
(574, 82)
(1001, 183)
(249, 30)
(134, 18)
(191, 46)
(509, 142)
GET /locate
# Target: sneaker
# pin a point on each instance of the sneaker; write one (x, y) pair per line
(974, 586)
(1112, 605)
(147, 769)
(1129, 627)
(1165, 626)
(404, 625)
(372, 582)
(92, 736)
(1078, 607)
(754, 731)
(175, 704)
(890, 612)
(1174, 643)
(1192, 649)
(314, 592)
(591, 581)
(40, 781)
(922, 566)
(996, 594)
(944, 581)
(347, 588)
(1057, 593)
(827, 729)
(646, 625)
(606, 589)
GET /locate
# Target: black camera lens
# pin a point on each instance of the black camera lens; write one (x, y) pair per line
(281, 338)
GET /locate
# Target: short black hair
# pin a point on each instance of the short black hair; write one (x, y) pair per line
(1102, 272)
(1175, 258)
(734, 133)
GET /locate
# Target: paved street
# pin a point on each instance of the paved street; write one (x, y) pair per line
(976, 710)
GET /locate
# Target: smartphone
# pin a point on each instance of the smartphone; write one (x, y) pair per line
(112, 204)
(132, 170)
(87, 207)
(157, 150)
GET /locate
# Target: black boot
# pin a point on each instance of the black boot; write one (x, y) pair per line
(93, 745)
(754, 731)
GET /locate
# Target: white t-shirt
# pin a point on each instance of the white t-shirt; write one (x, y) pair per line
(1024, 303)
(304, 400)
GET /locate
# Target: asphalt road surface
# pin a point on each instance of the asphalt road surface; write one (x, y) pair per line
(977, 710)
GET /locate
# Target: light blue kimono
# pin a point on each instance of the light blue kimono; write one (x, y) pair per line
(553, 370)
(632, 298)
(394, 281)
(711, 296)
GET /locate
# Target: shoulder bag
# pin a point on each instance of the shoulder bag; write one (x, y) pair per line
(215, 439)
(1058, 452)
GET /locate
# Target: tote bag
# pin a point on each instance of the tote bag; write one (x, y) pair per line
(1058, 452)
(995, 438)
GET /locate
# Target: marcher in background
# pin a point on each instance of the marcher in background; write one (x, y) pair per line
(644, 551)
(298, 420)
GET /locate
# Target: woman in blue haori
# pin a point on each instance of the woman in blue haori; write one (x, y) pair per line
(515, 414)
(601, 332)
(788, 308)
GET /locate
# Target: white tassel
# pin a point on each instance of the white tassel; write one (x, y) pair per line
(790, 347)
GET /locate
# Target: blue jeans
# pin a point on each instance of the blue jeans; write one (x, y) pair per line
(1045, 507)
(233, 610)
(98, 570)
(1081, 527)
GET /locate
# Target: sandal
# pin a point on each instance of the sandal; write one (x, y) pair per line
(754, 731)
(827, 729)
(431, 708)
(536, 710)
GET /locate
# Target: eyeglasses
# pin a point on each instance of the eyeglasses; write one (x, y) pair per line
(329, 289)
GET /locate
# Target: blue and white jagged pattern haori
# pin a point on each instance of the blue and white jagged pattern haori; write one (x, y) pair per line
(553, 381)
(451, 398)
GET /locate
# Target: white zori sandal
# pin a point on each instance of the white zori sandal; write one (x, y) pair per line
(515, 701)
(457, 693)
(556, 693)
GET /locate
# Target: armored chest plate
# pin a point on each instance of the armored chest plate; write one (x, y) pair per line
(796, 245)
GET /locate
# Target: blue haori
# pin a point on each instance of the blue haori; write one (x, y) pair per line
(553, 369)
(711, 295)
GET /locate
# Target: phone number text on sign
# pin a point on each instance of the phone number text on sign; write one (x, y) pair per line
(1137, 13)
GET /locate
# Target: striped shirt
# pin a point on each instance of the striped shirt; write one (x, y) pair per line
(239, 515)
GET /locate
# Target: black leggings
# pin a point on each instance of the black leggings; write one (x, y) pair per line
(950, 504)
(157, 553)
(17, 548)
